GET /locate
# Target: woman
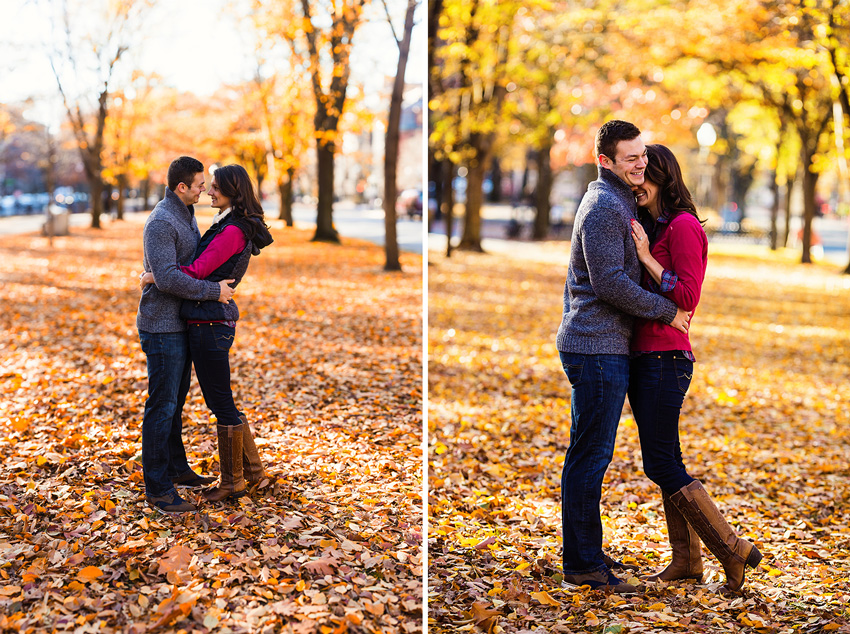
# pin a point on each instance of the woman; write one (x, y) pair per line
(675, 258)
(237, 232)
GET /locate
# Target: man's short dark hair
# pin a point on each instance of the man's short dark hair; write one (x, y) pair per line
(183, 170)
(611, 133)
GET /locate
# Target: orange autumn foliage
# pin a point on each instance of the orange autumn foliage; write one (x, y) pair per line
(326, 365)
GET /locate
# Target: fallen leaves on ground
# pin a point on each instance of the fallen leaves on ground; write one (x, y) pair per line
(765, 426)
(326, 366)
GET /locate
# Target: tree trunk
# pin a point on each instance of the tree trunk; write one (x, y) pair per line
(285, 191)
(589, 173)
(325, 231)
(471, 238)
(495, 194)
(435, 191)
(50, 185)
(261, 176)
(789, 189)
(774, 212)
(391, 146)
(544, 193)
(810, 181)
(94, 164)
(447, 173)
(108, 188)
(96, 201)
(122, 188)
(146, 193)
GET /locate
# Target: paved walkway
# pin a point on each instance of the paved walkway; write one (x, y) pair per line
(351, 221)
(550, 251)
(13, 225)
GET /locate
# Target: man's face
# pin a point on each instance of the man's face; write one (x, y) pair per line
(191, 195)
(630, 161)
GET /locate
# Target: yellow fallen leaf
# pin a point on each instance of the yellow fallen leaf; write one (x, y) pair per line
(545, 598)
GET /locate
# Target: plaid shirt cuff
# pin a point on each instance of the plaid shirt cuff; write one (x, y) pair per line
(668, 281)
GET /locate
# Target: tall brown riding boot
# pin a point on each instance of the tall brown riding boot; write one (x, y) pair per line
(733, 552)
(251, 463)
(232, 483)
(687, 556)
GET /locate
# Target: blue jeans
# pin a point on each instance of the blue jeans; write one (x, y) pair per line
(657, 388)
(599, 384)
(169, 373)
(210, 347)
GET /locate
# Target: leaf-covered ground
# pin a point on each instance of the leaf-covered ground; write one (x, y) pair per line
(765, 426)
(326, 365)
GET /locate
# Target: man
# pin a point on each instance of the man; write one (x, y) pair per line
(171, 236)
(602, 295)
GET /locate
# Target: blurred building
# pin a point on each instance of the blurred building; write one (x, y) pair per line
(359, 170)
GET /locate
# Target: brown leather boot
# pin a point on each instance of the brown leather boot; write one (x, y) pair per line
(232, 483)
(733, 552)
(687, 556)
(251, 463)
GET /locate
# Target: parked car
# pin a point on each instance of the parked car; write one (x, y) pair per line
(409, 203)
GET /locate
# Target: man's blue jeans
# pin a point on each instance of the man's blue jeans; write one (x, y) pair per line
(657, 388)
(169, 374)
(599, 385)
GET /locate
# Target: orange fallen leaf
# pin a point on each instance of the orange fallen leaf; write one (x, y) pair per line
(89, 573)
(483, 617)
(177, 558)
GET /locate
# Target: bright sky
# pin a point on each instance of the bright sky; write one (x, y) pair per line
(204, 32)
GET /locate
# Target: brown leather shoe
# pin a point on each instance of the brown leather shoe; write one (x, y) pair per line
(613, 564)
(687, 555)
(191, 480)
(733, 552)
(171, 503)
(232, 483)
(252, 465)
(602, 580)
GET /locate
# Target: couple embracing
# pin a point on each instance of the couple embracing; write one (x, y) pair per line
(637, 264)
(187, 315)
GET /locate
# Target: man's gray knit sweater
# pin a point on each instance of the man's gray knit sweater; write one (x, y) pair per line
(170, 238)
(602, 294)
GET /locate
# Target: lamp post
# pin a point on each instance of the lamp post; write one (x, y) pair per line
(706, 137)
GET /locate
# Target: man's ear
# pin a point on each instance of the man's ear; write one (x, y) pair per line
(604, 161)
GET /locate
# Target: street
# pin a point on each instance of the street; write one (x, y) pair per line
(353, 221)
(350, 220)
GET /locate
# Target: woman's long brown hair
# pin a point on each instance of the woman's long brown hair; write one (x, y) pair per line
(234, 182)
(663, 170)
